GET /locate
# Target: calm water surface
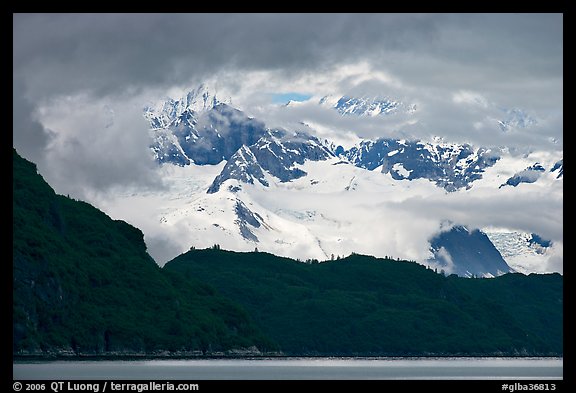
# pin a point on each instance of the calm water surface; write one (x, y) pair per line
(301, 368)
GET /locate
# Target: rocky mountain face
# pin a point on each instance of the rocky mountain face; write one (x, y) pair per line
(450, 166)
(467, 253)
(205, 138)
(215, 131)
(277, 154)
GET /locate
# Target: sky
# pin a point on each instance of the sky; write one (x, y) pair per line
(80, 81)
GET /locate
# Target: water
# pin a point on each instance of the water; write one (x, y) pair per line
(295, 369)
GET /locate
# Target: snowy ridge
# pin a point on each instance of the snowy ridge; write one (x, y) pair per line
(218, 132)
(558, 168)
(450, 166)
(164, 113)
(521, 252)
(242, 166)
(528, 175)
(336, 208)
(365, 106)
(205, 138)
(292, 194)
(516, 118)
(276, 153)
(316, 201)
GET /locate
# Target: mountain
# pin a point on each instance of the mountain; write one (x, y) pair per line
(277, 153)
(450, 166)
(474, 252)
(323, 214)
(293, 194)
(199, 129)
(84, 284)
(558, 167)
(522, 251)
(169, 111)
(365, 106)
(361, 305)
(528, 175)
(215, 132)
(516, 118)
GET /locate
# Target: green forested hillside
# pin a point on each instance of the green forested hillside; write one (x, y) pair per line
(366, 306)
(84, 283)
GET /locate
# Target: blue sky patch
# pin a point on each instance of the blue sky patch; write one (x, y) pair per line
(283, 98)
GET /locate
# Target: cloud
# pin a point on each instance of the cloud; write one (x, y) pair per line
(469, 98)
(445, 262)
(163, 247)
(555, 261)
(93, 148)
(457, 116)
(61, 53)
(511, 207)
(30, 137)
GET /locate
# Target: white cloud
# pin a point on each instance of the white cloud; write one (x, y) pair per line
(96, 144)
(448, 264)
(469, 98)
(515, 208)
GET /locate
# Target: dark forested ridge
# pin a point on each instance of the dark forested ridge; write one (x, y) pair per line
(362, 305)
(84, 284)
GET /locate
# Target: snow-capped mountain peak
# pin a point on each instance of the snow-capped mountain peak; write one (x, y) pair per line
(484, 260)
(365, 106)
(558, 167)
(198, 100)
(523, 251)
(277, 153)
(516, 118)
(195, 101)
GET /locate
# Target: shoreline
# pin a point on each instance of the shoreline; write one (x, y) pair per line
(146, 357)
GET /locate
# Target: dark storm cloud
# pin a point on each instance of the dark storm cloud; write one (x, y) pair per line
(515, 56)
(61, 53)
(32, 137)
